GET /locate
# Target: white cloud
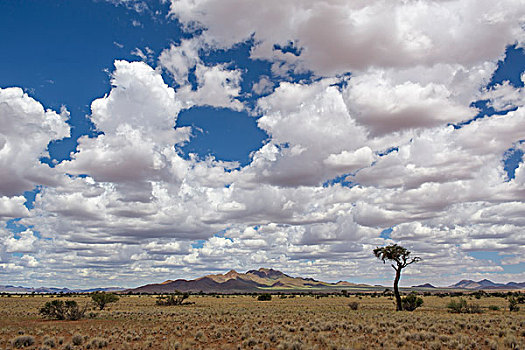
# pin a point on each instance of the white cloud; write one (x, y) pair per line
(139, 207)
(504, 96)
(179, 59)
(341, 36)
(217, 86)
(12, 207)
(24, 244)
(25, 131)
(263, 86)
(374, 101)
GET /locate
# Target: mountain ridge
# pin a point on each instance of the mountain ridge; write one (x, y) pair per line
(486, 284)
(261, 280)
(53, 290)
(265, 280)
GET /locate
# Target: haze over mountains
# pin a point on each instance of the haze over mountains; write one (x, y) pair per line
(260, 280)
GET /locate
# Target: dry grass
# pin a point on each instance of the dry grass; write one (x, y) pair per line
(241, 322)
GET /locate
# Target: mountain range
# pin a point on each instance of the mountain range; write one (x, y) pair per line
(250, 281)
(486, 284)
(275, 281)
(261, 280)
(50, 290)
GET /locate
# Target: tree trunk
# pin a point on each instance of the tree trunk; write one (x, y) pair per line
(399, 306)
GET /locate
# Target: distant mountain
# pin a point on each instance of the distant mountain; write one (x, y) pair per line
(47, 290)
(107, 289)
(235, 282)
(516, 285)
(426, 285)
(261, 280)
(486, 284)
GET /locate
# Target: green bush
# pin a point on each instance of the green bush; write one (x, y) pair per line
(102, 299)
(264, 297)
(411, 302)
(494, 307)
(60, 310)
(462, 307)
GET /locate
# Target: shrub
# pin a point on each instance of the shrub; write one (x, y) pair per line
(462, 307)
(60, 310)
(494, 307)
(49, 342)
(411, 302)
(102, 299)
(98, 343)
(354, 305)
(77, 339)
(513, 303)
(264, 297)
(23, 341)
(173, 299)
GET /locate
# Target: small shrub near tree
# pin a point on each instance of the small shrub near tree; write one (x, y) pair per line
(411, 302)
(264, 297)
(63, 310)
(462, 307)
(102, 299)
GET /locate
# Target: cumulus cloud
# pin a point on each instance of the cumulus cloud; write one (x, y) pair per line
(12, 207)
(504, 96)
(217, 86)
(22, 116)
(347, 156)
(310, 128)
(337, 37)
(23, 244)
(374, 101)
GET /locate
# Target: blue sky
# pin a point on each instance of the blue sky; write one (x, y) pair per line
(304, 145)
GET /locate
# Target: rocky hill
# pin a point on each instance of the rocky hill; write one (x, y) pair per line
(235, 282)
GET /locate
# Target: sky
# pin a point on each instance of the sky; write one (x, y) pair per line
(142, 141)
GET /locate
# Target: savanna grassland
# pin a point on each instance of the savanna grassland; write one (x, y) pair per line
(242, 322)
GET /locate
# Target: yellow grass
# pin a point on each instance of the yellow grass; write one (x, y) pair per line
(233, 322)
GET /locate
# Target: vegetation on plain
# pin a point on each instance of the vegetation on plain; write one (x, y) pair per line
(63, 310)
(461, 306)
(411, 302)
(264, 297)
(174, 299)
(101, 299)
(231, 321)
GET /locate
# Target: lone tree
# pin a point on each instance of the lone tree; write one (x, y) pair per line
(102, 299)
(401, 257)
